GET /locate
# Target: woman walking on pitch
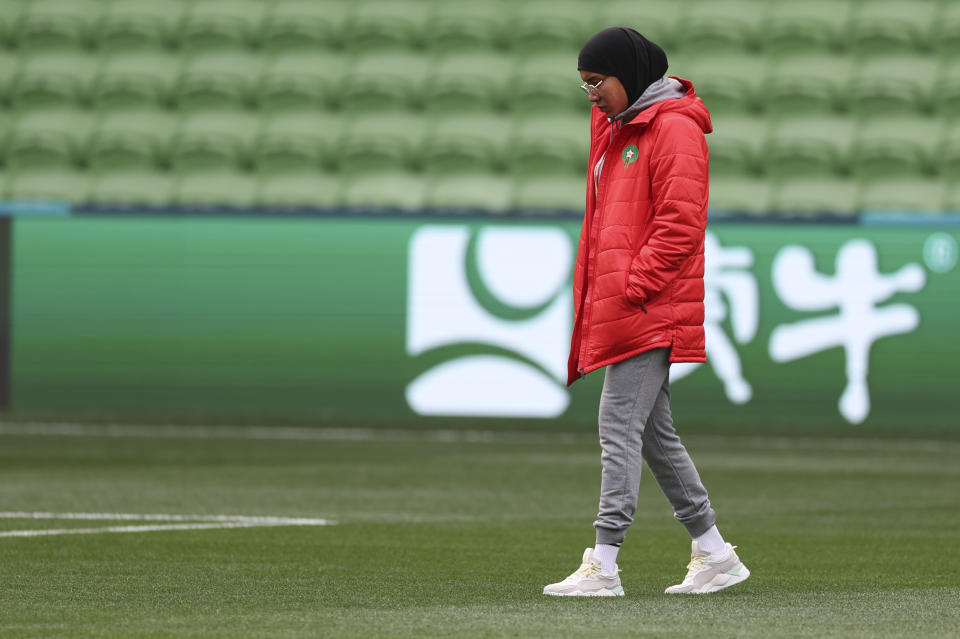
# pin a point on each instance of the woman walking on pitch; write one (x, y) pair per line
(638, 299)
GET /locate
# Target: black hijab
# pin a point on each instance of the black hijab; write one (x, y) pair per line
(624, 53)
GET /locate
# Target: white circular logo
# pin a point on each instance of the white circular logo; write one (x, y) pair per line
(940, 252)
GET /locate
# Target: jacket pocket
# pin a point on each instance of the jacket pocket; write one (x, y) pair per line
(633, 299)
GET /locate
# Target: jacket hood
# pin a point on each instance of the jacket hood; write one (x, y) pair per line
(662, 89)
(689, 104)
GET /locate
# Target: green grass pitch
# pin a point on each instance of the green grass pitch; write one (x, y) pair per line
(845, 537)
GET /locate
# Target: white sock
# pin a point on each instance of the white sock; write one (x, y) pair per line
(607, 556)
(712, 542)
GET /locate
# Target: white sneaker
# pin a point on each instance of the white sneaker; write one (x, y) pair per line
(710, 573)
(588, 581)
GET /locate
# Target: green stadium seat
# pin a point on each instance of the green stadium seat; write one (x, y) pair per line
(807, 84)
(904, 195)
(680, 65)
(380, 80)
(946, 97)
(9, 68)
(740, 195)
(387, 24)
(301, 189)
(490, 193)
(6, 124)
(137, 79)
(825, 195)
(302, 80)
(894, 85)
(546, 83)
(952, 199)
(133, 188)
(811, 26)
(11, 16)
(737, 144)
(472, 143)
(548, 194)
(307, 25)
(216, 188)
(658, 20)
(470, 82)
(140, 24)
(132, 140)
(946, 34)
(48, 139)
(65, 185)
(215, 141)
(467, 26)
(59, 24)
(810, 146)
(729, 82)
(948, 164)
(712, 26)
(562, 26)
(395, 190)
(901, 146)
(382, 142)
(299, 141)
(58, 79)
(549, 145)
(221, 80)
(893, 26)
(223, 24)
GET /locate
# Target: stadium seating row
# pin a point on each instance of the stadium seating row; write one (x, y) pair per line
(830, 145)
(292, 141)
(493, 193)
(823, 83)
(690, 25)
(389, 190)
(315, 140)
(464, 82)
(399, 79)
(836, 195)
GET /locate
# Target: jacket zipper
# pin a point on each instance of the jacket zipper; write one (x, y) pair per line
(590, 244)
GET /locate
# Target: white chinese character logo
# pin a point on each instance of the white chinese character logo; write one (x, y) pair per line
(729, 292)
(505, 289)
(855, 291)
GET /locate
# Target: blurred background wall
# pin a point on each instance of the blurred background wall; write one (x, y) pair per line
(325, 210)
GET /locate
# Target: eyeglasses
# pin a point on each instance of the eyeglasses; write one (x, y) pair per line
(591, 89)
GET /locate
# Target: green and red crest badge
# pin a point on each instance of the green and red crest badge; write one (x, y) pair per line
(629, 155)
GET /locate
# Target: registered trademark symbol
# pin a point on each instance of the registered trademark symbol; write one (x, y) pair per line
(940, 252)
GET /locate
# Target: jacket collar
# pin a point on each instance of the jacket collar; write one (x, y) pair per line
(663, 89)
(646, 115)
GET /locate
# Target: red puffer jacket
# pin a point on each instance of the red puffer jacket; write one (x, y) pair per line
(638, 280)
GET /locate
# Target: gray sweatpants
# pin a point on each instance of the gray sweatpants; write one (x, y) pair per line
(635, 424)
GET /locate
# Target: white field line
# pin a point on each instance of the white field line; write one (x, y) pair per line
(256, 520)
(451, 436)
(212, 522)
(126, 529)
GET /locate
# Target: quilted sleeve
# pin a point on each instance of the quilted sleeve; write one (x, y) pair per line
(679, 183)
